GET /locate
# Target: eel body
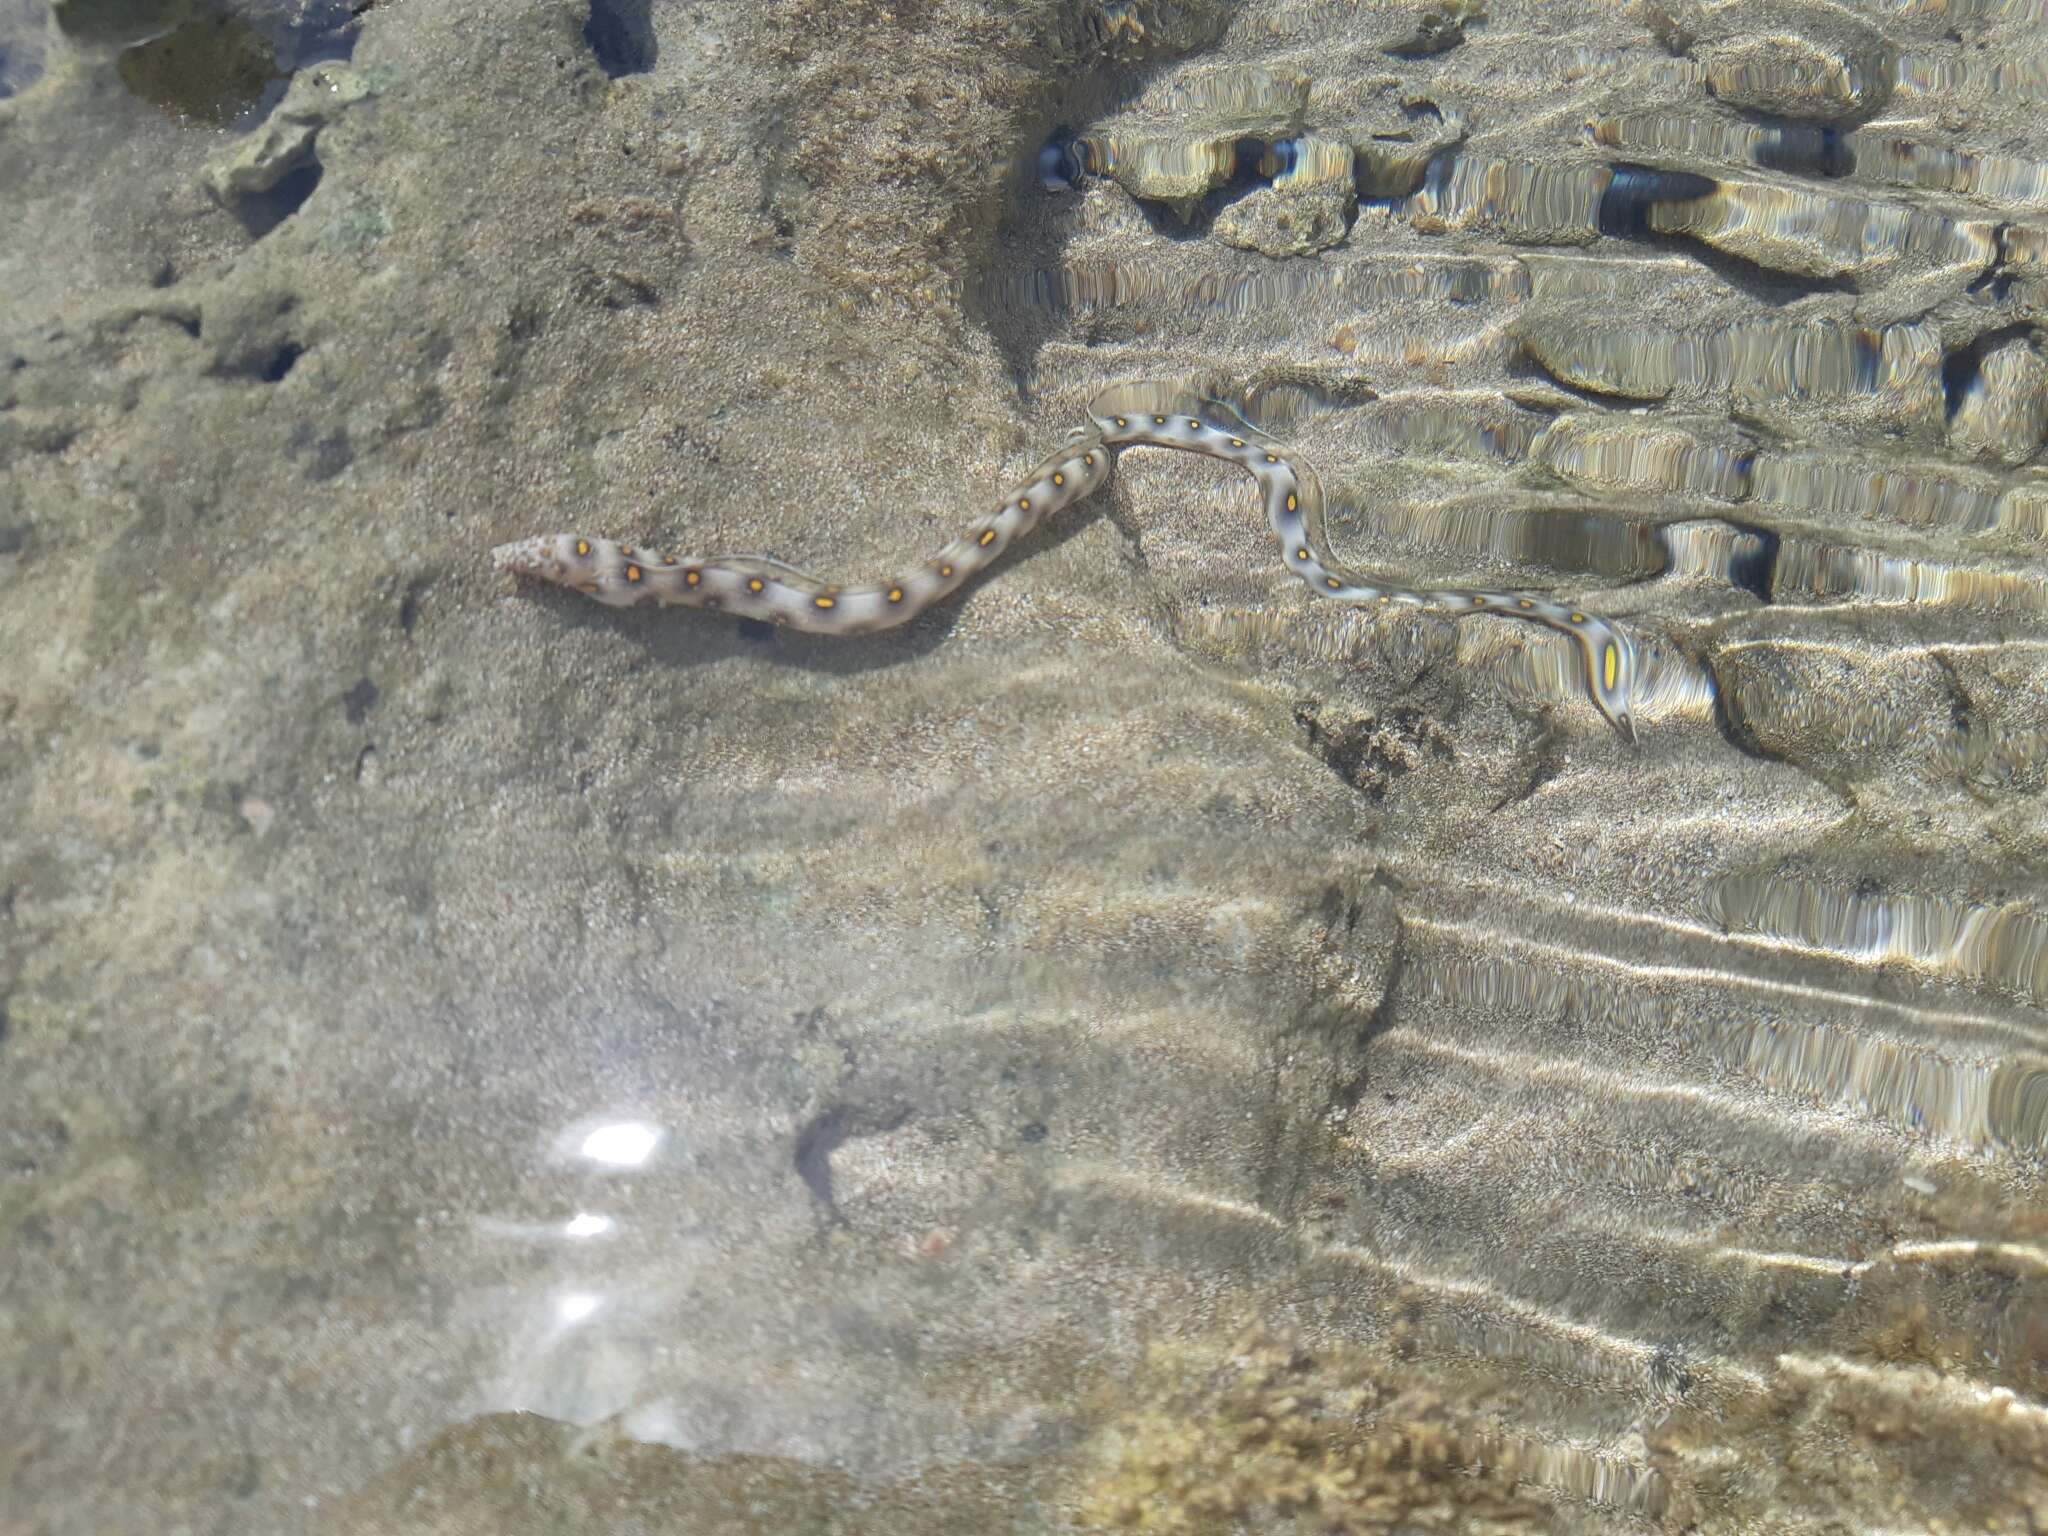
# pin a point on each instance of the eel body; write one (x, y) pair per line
(627, 576)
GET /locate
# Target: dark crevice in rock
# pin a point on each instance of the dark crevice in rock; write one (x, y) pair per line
(526, 320)
(1959, 368)
(357, 703)
(621, 36)
(1755, 570)
(409, 605)
(260, 359)
(1802, 149)
(279, 363)
(261, 212)
(1635, 190)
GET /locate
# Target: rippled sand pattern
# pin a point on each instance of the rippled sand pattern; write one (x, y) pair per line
(1139, 1048)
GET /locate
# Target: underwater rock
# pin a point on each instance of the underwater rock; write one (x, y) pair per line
(1523, 202)
(1280, 224)
(1792, 77)
(1860, 155)
(2003, 413)
(1184, 144)
(1808, 62)
(1895, 371)
(1871, 487)
(1821, 236)
(1626, 454)
(285, 141)
(1129, 30)
(1306, 163)
(1392, 146)
(2022, 512)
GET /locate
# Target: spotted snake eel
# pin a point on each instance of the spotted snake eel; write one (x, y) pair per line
(624, 576)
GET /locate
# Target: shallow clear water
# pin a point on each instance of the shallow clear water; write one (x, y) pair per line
(1139, 1045)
